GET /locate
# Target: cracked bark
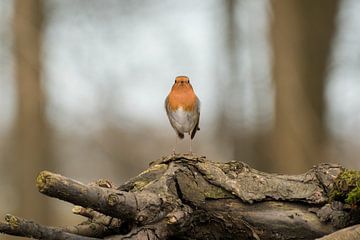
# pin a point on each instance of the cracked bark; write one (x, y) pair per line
(189, 197)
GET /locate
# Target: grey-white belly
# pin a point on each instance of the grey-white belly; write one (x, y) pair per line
(183, 121)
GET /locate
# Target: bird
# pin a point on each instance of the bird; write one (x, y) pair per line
(183, 109)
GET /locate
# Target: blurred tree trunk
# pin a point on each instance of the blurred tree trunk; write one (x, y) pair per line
(226, 124)
(233, 140)
(31, 134)
(235, 137)
(302, 31)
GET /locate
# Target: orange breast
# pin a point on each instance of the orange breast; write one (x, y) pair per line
(182, 97)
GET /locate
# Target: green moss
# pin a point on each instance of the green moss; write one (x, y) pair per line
(139, 185)
(347, 187)
(354, 196)
(156, 167)
(216, 193)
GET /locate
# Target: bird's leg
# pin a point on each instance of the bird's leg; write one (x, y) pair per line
(190, 145)
(176, 139)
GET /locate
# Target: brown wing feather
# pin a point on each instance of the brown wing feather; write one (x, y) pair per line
(196, 128)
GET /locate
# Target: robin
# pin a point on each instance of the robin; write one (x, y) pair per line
(183, 109)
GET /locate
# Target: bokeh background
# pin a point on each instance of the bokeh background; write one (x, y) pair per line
(83, 84)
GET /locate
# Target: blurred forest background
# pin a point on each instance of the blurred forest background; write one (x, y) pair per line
(83, 84)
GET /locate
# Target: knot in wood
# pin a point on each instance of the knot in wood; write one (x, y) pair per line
(141, 218)
(113, 199)
(172, 220)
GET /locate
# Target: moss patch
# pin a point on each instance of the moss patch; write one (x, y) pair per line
(144, 178)
(12, 221)
(139, 185)
(354, 196)
(347, 188)
(156, 167)
(217, 193)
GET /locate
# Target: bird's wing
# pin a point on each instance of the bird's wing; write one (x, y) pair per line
(167, 105)
(196, 128)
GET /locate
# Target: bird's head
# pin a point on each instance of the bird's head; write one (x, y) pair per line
(182, 82)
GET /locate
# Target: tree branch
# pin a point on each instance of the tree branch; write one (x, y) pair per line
(25, 228)
(111, 202)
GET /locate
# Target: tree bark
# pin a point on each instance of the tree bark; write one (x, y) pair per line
(189, 197)
(350, 233)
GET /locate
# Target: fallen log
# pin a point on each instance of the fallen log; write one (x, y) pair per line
(190, 197)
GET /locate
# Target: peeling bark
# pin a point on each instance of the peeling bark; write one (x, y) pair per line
(189, 197)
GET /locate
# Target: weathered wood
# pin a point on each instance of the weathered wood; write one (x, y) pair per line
(349, 233)
(189, 197)
(119, 204)
(25, 228)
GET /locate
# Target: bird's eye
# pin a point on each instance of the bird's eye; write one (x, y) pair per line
(188, 81)
(175, 81)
